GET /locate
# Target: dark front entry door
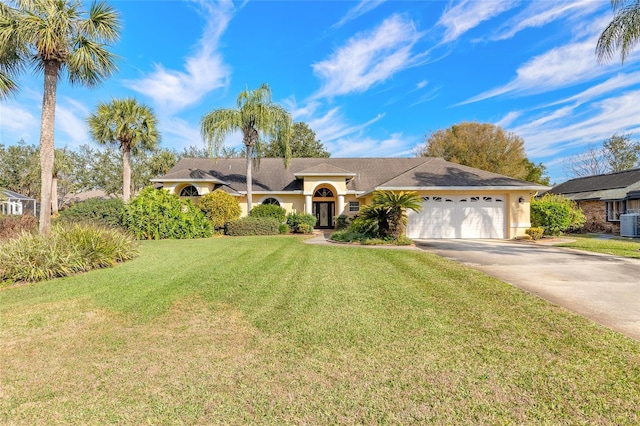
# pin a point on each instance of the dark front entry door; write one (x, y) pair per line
(324, 214)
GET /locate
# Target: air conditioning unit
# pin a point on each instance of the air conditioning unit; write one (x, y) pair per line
(630, 225)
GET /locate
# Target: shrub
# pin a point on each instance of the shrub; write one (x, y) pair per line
(220, 208)
(156, 214)
(555, 214)
(295, 220)
(69, 249)
(342, 222)
(283, 228)
(13, 226)
(305, 228)
(103, 211)
(269, 210)
(252, 226)
(534, 233)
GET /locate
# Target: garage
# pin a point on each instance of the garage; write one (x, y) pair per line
(477, 216)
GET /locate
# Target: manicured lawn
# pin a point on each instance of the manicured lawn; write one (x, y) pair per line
(268, 330)
(626, 247)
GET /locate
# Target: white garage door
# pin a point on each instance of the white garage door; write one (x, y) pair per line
(458, 217)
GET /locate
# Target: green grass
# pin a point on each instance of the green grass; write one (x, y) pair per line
(619, 246)
(268, 330)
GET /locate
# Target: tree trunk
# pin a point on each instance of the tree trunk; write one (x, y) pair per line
(249, 155)
(54, 195)
(126, 173)
(47, 130)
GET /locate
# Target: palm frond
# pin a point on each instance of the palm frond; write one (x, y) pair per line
(623, 32)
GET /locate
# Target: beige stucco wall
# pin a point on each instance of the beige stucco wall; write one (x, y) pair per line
(517, 214)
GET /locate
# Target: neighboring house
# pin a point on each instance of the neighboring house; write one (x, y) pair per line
(603, 198)
(12, 203)
(458, 201)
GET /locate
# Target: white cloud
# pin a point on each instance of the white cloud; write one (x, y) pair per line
(540, 13)
(422, 84)
(17, 123)
(556, 131)
(508, 119)
(468, 14)
(358, 10)
(614, 84)
(393, 146)
(71, 128)
(560, 67)
(332, 126)
(368, 58)
(173, 90)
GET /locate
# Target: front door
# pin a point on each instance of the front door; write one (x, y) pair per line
(324, 214)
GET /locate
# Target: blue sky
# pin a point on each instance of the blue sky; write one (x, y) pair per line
(371, 78)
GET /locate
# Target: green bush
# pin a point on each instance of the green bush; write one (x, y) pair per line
(534, 233)
(269, 210)
(342, 222)
(69, 249)
(14, 226)
(283, 228)
(103, 211)
(305, 228)
(252, 226)
(555, 214)
(220, 208)
(296, 220)
(156, 214)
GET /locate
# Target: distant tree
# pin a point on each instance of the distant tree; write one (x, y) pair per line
(622, 33)
(257, 117)
(194, 152)
(129, 124)
(536, 173)
(55, 37)
(62, 167)
(483, 146)
(621, 153)
(617, 153)
(20, 169)
(303, 144)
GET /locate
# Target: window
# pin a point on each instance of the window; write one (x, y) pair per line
(633, 206)
(189, 191)
(614, 209)
(323, 193)
(354, 206)
(271, 201)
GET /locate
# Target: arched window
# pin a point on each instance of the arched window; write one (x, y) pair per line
(323, 193)
(189, 191)
(271, 201)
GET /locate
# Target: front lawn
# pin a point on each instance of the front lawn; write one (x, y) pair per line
(269, 330)
(619, 246)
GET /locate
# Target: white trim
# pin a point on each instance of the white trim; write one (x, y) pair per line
(521, 225)
(462, 188)
(212, 180)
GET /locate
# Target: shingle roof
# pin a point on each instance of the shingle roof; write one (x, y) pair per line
(368, 174)
(611, 186)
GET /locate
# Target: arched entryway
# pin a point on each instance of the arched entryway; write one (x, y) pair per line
(324, 204)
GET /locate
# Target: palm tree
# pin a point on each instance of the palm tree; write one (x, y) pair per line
(57, 37)
(257, 117)
(622, 33)
(130, 125)
(389, 209)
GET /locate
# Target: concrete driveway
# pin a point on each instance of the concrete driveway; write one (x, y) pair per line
(604, 288)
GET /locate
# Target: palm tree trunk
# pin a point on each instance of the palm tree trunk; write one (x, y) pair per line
(126, 173)
(249, 155)
(54, 195)
(47, 124)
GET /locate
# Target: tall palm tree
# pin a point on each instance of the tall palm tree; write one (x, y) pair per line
(57, 37)
(257, 117)
(622, 33)
(130, 125)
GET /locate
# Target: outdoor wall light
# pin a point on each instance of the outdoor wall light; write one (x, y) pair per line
(521, 200)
